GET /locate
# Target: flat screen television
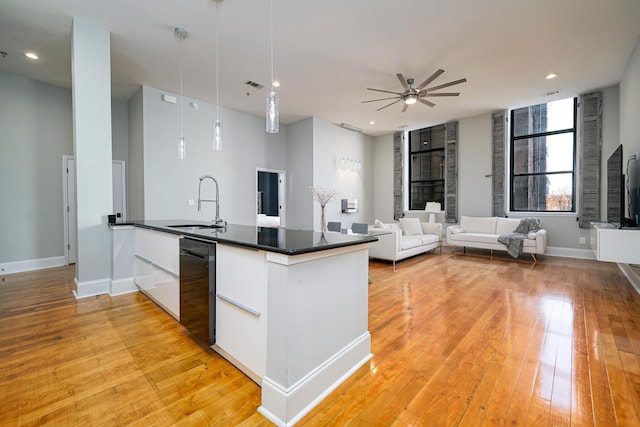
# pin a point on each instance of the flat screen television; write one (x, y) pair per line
(615, 188)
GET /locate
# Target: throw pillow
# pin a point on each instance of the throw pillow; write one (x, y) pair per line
(411, 226)
(379, 224)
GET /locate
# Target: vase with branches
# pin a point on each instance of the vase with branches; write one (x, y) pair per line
(323, 196)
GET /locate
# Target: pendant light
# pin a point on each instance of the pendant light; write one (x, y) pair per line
(182, 34)
(217, 126)
(273, 102)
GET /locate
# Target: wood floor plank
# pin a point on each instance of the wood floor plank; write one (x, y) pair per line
(462, 341)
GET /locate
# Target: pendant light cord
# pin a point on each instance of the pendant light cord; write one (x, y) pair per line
(271, 30)
(217, 72)
(181, 119)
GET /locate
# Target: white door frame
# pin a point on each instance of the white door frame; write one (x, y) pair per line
(282, 199)
(65, 204)
(123, 189)
(66, 188)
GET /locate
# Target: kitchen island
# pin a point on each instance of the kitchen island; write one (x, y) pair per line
(291, 308)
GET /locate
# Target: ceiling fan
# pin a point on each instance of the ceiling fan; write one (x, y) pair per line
(411, 94)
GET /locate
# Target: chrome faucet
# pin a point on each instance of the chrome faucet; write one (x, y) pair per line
(218, 220)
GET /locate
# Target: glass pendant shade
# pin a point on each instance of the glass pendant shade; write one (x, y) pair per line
(182, 148)
(273, 113)
(217, 136)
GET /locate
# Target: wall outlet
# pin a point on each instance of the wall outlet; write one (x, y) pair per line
(191, 202)
(583, 240)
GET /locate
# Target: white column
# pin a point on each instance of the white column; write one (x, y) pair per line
(91, 91)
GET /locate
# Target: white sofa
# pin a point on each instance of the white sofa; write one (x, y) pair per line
(483, 233)
(404, 239)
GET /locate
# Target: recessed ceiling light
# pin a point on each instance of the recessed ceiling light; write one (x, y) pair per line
(372, 122)
(276, 83)
(31, 55)
(551, 76)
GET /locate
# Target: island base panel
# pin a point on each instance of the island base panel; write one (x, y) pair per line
(285, 407)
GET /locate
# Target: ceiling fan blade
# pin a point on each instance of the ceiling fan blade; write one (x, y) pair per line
(442, 94)
(425, 102)
(430, 79)
(389, 105)
(403, 82)
(385, 91)
(455, 82)
(404, 107)
(381, 99)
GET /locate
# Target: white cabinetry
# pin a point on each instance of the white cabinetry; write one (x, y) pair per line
(241, 308)
(615, 244)
(157, 268)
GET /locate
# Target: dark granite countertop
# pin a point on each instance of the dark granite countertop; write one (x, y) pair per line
(281, 240)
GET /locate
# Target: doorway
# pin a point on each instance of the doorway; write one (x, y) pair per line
(270, 197)
(118, 178)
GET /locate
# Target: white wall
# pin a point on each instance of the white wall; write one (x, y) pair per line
(630, 103)
(37, 125)
(330, 144)
(474, 164)
(91, 95)
(119, 130)
(135, 166)
(36, 121)
(305, 150)
(169, 183)
(630, 109)
(383, 178)
(300, 174)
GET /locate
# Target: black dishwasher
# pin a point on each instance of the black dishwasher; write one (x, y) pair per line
(198, 288)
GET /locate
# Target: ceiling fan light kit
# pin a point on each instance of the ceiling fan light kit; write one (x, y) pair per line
(411, 94)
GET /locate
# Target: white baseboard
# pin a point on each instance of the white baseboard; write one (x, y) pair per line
(91, 287)
(632, 273)
(122, 286)
(31, 264)
(570, 252)
(286, 406)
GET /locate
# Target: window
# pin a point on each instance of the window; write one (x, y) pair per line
(426, 166)
(543, 145)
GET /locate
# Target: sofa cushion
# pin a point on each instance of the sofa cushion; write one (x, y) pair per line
(506, 225)
(472, 224)
(411, 226)
(475, 237)
(485, 238)
(409, 242)
(427, 239)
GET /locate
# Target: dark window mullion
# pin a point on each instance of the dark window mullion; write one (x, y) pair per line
(541, 134)
(544, 173)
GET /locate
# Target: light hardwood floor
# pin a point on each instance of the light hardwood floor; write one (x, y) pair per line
(463, 341)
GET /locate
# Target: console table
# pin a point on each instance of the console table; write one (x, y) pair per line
(613, 244)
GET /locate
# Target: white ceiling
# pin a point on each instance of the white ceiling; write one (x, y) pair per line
(326, 53)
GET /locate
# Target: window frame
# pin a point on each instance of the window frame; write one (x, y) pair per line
(573, 172)
(410, 153)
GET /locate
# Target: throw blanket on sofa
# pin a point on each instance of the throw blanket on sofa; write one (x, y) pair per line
(513, 241)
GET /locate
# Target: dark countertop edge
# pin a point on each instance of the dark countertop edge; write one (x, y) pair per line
(364, 239)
